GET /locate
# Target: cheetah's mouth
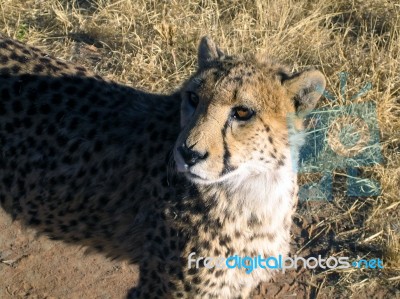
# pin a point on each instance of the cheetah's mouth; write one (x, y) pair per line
(185, 169)
(190, 175)
(204, 180)
(198, 178)
(195, 174)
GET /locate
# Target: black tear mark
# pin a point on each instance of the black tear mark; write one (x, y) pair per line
(227, 155)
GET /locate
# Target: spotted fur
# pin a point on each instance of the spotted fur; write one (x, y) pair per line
(152, 178)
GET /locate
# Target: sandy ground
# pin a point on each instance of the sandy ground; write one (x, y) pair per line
(35, 267)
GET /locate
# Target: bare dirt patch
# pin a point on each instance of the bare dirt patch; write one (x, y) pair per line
(35, 267)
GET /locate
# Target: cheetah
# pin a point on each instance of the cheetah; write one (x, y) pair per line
(207, 171)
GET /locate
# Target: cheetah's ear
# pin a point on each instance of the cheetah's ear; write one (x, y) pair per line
(208, 52)
(306, 89)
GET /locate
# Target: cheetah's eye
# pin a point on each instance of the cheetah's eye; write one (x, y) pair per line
(242, 113)
(193, 99)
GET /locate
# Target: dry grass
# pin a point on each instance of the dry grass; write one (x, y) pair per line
(152, 45)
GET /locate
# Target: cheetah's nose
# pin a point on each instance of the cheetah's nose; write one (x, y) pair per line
(190, 156)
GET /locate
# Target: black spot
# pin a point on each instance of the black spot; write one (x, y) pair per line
(154, 135)
(56, 99)
(154, 172)
(73, 147)
(86, 156)
(106, 126)
(105, 164)
(31, 141)
(206, 245)
(51, 129)
(94, 116)
(9, 128)
(5, 94)
(98, 146)
(73, 125)
(225, 240)
(32, 95)
(56, 84)
(3, 110)
(23, 150)
(171, 285)
(5, 72)
(31, 110)
(154, 275)
(8, 180)
(150, 127)
(17, 106)
(15, 69)
(172, 245)
(103, 200)
(35, 221)
(16, 122)
(80, 68)
(253, 220)
(81, 173)
(19, 58)
(62, 64)
(39, 129)
(70, 90)
(71, 103)
(45, 109)
(3, 59)
(93, 99)
(44, 60)
(62, 140)
(149, 236)
(38, 68)
(84, 109)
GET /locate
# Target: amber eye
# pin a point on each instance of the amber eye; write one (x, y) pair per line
(242, 113)
(193, 99)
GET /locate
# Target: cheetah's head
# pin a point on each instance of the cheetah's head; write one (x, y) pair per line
(234, 115)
